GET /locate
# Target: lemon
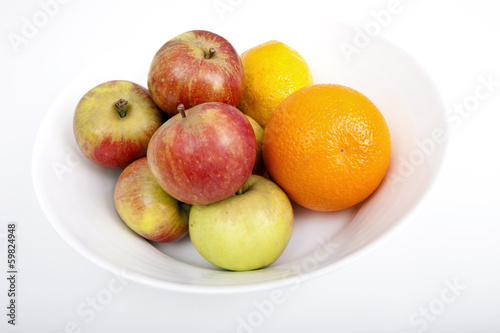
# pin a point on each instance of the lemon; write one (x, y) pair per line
(272, 71)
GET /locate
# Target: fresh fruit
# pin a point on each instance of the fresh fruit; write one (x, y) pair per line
(146, 208)
(273, 71)
(246, 231)
(203, 154)
(259, 136)
(327, 146)
(114, 121)
(195, 67)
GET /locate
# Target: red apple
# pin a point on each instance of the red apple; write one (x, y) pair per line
(204, 154)
(146, 208)
(195, 67)
(114, 121)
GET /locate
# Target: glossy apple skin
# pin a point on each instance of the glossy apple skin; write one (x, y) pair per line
(246, 231)
(146, 208)
(204, 157)
(103, 135)
(180, 74)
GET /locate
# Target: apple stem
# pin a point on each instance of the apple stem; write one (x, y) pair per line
(121, 106)
(182, 110)
(210, 53)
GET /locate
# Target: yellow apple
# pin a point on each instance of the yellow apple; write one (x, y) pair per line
(258, 166)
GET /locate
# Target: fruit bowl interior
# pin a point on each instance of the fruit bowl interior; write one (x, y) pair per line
(77, 196)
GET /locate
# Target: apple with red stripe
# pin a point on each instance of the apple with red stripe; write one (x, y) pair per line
(195, 67)
(203, 154)
(146, 208)
(114, 121)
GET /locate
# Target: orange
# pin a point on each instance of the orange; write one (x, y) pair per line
(327, 146)
(272, 70)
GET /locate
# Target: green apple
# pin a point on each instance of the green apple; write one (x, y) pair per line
(247, 231)
(258, 166)
(146, 208)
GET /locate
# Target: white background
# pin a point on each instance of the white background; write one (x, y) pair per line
(403, 286)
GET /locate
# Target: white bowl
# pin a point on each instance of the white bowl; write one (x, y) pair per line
(77, 196)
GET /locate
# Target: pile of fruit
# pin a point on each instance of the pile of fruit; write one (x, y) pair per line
(219, 144)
